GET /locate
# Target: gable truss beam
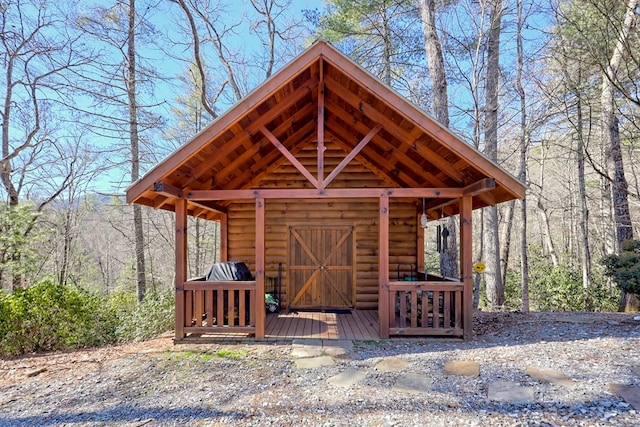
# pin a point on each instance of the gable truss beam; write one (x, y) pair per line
(400, 134)
(255, 148)
(251, 177)
(376, 170)
(395, 130)
(404, 179)
(295, 162)
(352, 154)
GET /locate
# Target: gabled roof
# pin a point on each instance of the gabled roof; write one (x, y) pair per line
(371, 123)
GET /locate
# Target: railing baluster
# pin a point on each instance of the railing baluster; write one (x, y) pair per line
(208, 303)
(220, 307)
(188, 308)
(414, 308)
(403, 309)
(252, 310)
(231, 307)
(447, 309)
(242, 315)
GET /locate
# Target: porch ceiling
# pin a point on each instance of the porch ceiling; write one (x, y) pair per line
(322, 95)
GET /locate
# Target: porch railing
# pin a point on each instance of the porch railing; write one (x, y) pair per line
(219, 307)
(426, 308)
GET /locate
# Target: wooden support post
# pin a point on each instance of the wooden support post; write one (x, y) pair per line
(181, 266)
(383, 267)
(420, 243)
(466, 264)
(260, 273)
(224, 238)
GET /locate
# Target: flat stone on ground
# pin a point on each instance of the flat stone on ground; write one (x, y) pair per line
(413, 383)
(314, 362)
(510, 392)
(337, 347)
(301, 349)
(392, 364)
(305, 351)
(347, 378)
(462, 368)
(549, 376)
(630, 394)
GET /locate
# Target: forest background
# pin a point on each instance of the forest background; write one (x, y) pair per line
(94, 93)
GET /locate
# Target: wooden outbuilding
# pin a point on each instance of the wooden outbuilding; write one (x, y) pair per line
(325, 171)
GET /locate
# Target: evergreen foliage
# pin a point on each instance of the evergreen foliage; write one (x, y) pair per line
(559, 288)
(624, 269)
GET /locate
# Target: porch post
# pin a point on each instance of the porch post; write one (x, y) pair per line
(260, 247)
(181, 265)
(466, 264)
(224, 236)
(419, 243)
(383, 267)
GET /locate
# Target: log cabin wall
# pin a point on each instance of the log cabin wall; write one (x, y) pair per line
(361, 213)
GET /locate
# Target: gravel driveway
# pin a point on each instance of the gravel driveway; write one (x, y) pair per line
(595, 359)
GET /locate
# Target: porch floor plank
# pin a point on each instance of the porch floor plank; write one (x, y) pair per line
(357, 325)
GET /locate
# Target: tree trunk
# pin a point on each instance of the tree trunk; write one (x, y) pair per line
(611, 133)
(433, 49)
(505, 251)
(584, 210)
(524, 258)
(440, 108)
(135, 151)
(493, 277)
(546, 233)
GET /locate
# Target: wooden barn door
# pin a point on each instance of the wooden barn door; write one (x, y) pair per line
(321, 266)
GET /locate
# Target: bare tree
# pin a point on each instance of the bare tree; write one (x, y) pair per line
(37, 56)
(114, 82)
(493, 278)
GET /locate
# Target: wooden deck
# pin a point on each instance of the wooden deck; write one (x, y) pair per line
(353, 325)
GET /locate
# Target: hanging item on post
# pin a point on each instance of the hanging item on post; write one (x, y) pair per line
(445, 235)
(439, 238)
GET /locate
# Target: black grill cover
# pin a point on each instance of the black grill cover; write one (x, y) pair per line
(229, 271)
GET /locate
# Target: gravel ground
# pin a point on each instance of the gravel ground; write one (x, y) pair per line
(155, 383)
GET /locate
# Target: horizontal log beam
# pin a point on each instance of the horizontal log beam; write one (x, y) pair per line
(481, 186)
(212, 207)
(167, 190)
(337, 193)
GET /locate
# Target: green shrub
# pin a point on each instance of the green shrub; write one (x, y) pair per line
(153, 316)
(49, 316)
(559, 288)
